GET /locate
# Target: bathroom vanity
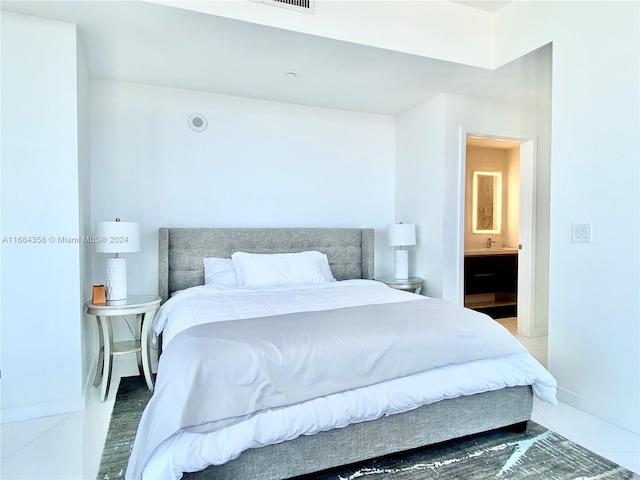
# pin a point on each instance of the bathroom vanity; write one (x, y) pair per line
(491, 281)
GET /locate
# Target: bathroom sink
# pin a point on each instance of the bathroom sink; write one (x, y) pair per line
(491, 251)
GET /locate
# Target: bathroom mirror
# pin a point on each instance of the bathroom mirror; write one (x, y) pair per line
(487, 202)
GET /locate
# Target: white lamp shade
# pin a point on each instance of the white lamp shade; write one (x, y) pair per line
(401, 234)
(117, 237)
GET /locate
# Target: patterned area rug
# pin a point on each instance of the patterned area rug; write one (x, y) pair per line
(537, 454)
(131, 399)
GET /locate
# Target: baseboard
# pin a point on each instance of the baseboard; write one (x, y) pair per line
(592, 408)
(88, 381)
(48, 409)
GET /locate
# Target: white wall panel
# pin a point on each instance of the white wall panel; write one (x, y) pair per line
(41, 291)
(594, 307)
(258, 163)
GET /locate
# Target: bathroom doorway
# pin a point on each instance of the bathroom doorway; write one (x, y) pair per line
(498, 229)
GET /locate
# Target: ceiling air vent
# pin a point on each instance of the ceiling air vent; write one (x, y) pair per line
(299, 5)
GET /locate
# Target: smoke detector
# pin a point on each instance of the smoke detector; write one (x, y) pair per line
(197, 122)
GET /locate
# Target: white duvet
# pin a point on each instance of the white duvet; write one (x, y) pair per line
(188, 450)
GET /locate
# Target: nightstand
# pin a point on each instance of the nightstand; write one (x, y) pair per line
(144, 308)
(411, 284)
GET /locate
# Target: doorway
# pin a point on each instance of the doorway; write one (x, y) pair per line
(498, 234)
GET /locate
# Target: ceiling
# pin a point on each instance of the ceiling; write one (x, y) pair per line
(491, 142)
(148, 43)
(486, 5)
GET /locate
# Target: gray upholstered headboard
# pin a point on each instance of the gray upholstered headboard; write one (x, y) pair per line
(350, 250)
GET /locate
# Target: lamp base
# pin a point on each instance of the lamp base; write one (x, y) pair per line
(116, 284)
(402, 264)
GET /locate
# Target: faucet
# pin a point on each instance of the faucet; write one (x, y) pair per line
(489, 242)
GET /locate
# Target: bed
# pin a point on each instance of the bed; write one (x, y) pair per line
(201, 424)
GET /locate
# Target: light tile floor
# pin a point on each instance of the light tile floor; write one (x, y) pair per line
(62, 447)
(66, 447)
(537, 346)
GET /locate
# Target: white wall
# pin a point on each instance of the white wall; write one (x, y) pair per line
(259, 163)
(419, 188)
(89, 330)
(594, 308)
(41, 291)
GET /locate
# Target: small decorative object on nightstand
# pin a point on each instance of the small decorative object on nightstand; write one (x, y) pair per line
(144, 308)
(411, 284)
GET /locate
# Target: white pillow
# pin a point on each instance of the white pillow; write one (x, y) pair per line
(258, 269)
(220, 271)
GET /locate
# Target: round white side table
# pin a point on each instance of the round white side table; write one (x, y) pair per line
(411, 284)
(144, 308)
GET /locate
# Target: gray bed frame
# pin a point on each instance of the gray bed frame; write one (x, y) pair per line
(350, 253)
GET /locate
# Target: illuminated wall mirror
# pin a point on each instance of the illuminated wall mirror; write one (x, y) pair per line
(487, 202)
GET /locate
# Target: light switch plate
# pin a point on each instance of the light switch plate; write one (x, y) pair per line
(582, 233)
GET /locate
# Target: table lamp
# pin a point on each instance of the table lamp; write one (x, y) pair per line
(117, 237)
(401, 235)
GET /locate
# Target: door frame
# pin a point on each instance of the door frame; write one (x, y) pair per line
(526, 222)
